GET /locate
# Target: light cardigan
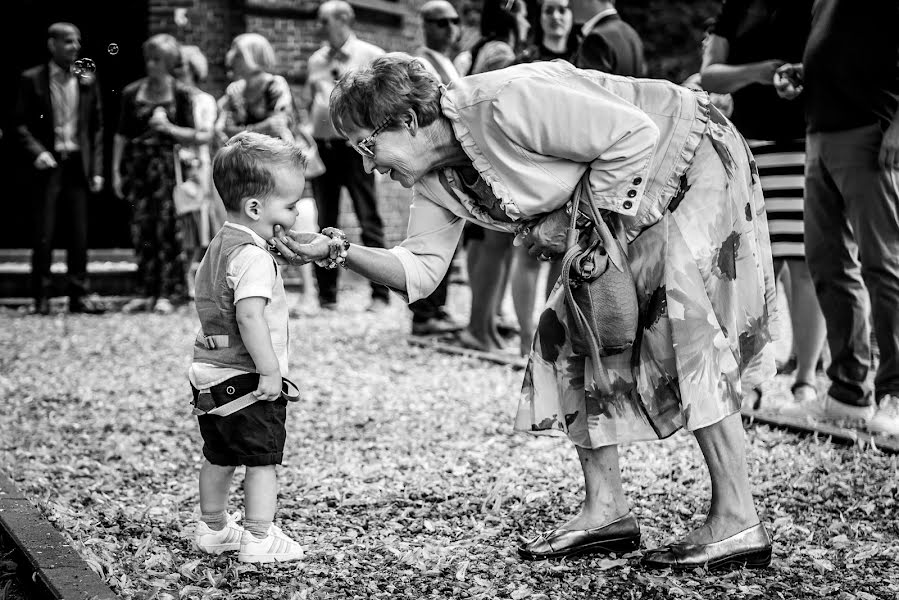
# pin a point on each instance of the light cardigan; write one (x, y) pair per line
(533, 131)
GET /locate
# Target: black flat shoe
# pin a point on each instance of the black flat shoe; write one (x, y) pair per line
(750, 548)
(620, 536)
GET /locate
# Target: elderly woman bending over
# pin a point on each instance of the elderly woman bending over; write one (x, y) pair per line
(679, 183)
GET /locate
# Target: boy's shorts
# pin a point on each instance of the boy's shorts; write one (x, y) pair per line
(253, 436)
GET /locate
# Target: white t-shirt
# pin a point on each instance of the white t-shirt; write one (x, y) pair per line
(252, 273)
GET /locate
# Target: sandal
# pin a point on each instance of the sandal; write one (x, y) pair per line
(801, 396)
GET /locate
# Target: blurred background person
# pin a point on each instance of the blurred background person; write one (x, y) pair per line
(341, 51)
(440, 29)
(749, 40)
(256, 100)
(554, 36)
(65, 147)
(470, 26)
(157, 114)
(504, 28)
(609, 44)
(200, 225)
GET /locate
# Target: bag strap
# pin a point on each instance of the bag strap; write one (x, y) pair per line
(289, 392)
(615, 251)
(575, 252)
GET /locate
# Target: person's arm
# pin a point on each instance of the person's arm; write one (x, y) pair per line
(96, 132)
(26, 100)
(588, 124)
(254, 333)
(252, 275)
(118, 148)
(722, 78)
(412, 269)
(595, 54)
(889, 147)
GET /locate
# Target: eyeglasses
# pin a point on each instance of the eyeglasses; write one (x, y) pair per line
(444, 22)
(364, 146)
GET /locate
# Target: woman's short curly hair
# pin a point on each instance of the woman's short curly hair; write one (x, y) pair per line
(393, 84)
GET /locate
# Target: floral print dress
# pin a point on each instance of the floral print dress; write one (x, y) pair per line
(705, 287)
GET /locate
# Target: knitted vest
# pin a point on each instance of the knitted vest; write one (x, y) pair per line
(215, 303)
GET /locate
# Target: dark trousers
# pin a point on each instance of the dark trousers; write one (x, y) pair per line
(60, 194)
(852, 250)
(431, 307)
(344, 169)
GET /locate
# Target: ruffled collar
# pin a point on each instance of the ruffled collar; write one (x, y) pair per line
(478, 159)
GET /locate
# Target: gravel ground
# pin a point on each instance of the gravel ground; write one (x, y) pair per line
(403, 477)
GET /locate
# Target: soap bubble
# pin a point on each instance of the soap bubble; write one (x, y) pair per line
(84, 67)
(113, 49)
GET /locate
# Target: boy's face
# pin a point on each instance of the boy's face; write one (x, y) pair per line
(280, 207)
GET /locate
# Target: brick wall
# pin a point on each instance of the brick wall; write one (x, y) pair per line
(290, 26)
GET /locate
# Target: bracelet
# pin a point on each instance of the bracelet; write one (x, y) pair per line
(338, 246)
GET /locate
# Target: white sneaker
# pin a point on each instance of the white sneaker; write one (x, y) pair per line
(886, 418)
(211, 541)
(164, 306)
(829, 409)
(274, 547)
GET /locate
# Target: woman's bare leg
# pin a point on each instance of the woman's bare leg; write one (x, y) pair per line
(732, 509)
(487, 264)
(604, 499)
(523, 279)
(809, 331)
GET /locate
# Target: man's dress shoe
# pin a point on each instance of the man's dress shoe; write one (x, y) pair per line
(42, 306)
(749, 548)
(620, 536)
(84, 307)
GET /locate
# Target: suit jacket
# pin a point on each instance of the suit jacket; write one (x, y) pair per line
(34, 118)
(614, 47)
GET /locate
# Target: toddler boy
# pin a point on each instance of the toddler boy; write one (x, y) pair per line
(240, 355)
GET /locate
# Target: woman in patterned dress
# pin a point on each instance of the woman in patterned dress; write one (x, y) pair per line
(156, 116)
(681, 185)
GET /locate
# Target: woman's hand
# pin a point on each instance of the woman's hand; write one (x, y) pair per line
(547, 239)
(299, 248)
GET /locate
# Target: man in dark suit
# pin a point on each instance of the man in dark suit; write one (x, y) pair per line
(609, 44)
(59, 123)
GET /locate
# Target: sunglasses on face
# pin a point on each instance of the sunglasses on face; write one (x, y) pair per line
(444, 22)
(364, 147)
(551, 10)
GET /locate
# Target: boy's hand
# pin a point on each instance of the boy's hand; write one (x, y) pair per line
(269, 387)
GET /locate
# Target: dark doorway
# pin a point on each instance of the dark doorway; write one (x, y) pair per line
(102, 22)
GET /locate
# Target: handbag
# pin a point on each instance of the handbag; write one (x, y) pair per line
(187, 195)
(599, 287)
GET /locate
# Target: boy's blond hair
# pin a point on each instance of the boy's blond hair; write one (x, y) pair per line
(243, 167)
